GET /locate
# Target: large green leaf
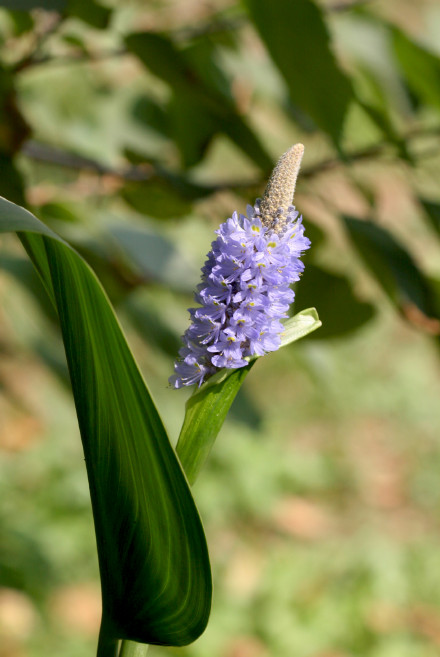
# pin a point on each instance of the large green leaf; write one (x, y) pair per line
(420, 67)
(298, 41)
(392, 265)
(153, 558)
(207, 408)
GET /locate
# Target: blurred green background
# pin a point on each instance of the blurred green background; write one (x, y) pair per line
(133, 129)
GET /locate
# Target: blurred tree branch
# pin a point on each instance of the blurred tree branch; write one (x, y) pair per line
(71, 58)
(41, 35)
(50, 155)
(347, 5)
(40, 152)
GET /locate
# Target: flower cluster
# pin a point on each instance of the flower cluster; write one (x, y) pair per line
(244, 293)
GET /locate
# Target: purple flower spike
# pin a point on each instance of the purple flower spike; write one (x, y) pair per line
(245, 289)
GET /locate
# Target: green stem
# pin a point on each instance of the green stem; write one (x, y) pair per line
(205, 413)
(133, 649)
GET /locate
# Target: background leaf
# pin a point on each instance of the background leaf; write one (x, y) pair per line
(298, 42)
(11, 182)
(420, 67)
(90, 12)
(338, 308)
(156, 199)
(392, 266)
(155, 257)
(202, 103)
(432, 210)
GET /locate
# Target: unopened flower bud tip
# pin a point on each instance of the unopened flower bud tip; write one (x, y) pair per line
(281, 188)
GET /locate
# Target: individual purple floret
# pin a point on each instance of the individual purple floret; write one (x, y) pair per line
(245, 289)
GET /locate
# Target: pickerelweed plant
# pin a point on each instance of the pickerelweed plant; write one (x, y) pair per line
(245, 290)
(153, 558)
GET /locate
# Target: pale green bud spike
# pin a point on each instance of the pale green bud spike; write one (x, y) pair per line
(281, 188)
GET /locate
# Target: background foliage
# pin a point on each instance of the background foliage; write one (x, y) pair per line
(133, 129)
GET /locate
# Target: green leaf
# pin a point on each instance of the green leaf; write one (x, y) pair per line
(90, 12)
(14, 128)
(23, 22)
(160, 56)
(24, 564)
(338, 307)
(315, 234)
(11, 182)
(148, 112)
(391, 265)
(156, 199)
(432, 210)
(420, 67)
(175, 189)
(192, 127)
(153, 558)
(298, 41)
(207, 408)
(299, 326)
(381, 118)
(55, 211)
(434, 284)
